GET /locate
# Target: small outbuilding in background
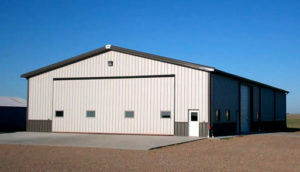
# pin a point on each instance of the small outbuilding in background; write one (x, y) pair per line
(13, 114)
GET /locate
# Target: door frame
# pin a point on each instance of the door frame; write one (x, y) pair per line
(193, 110)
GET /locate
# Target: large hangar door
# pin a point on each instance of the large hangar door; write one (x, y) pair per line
(114, 105)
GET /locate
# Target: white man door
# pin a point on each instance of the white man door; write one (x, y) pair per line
(194, 123)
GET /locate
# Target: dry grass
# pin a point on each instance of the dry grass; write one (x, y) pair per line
(293, 116)
(248, 153)
(293, 121)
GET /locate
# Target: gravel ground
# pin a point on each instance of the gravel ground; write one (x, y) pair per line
(247, 153)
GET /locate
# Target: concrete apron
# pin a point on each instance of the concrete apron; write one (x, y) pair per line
(131, 142)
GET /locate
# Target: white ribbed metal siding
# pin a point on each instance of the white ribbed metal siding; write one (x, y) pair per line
(191, 86)
(110, 98)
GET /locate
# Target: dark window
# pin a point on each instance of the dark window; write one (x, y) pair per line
(194, 116)
(90, 114)
(165, 114)
(110, 63)
(59, 113)
(218, 115)
(129, 114)
(228, 115)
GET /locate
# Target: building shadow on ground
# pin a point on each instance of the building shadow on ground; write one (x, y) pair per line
(292, 130)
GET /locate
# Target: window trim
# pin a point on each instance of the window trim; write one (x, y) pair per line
(110, 63)
(128, 111)
(197, 112)
(59, 111)
(165, 117)
(86, 114)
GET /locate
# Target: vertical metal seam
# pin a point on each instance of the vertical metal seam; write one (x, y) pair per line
(174, 103)
(188, 123)
(211, 101)
(208, 102)
(27, 110)
(52, 115)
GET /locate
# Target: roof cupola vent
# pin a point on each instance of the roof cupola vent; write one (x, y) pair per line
(107, 46)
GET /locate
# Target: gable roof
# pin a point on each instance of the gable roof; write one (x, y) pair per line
(12, 102)
(140, 54)
(117, 49)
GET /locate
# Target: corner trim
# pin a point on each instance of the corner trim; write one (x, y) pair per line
(210, 102)
(27, 111)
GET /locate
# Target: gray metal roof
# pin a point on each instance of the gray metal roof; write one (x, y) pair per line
(12, 102)
(144, 55)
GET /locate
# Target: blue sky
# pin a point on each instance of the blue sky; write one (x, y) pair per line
(259, 39)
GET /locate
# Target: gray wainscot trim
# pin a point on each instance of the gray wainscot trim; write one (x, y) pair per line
(39, 125)
(181, 129)
(203, 129)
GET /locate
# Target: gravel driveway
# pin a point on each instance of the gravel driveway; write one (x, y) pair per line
(247, 153)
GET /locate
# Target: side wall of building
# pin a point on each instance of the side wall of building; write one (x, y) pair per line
(225, 96)
(256, 103)
(280, 106)
(267, 106)
(191, 86)
(273, 110)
